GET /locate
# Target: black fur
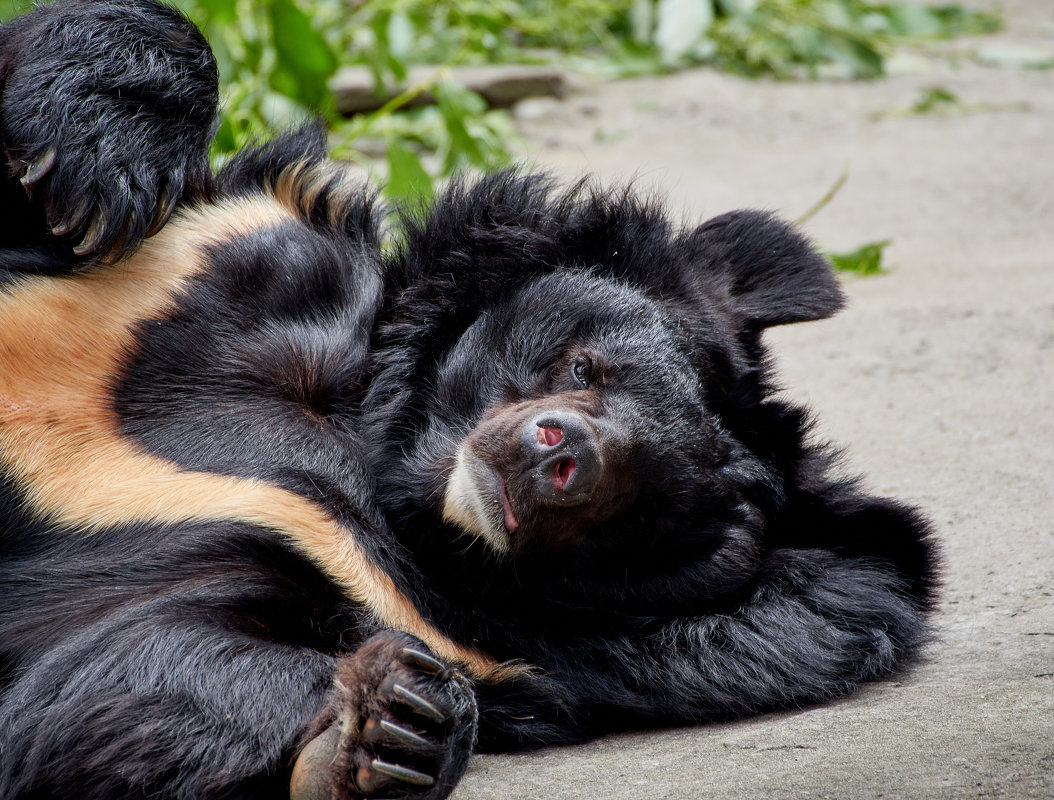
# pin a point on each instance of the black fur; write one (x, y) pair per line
(107, 115)
(715, 570)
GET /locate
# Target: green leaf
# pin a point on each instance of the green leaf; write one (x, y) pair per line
(305, 61)
(400, 35)
(642, 20)
(1014, 55)
(12, 8)
(856, 53)
(455, 105)
(733, 8)
(934, 98)
(385, 63)
(681, 24)
(217, 11)
(226, 139)
(408, 181)
(959, 21)
(865, 260)
(912, 19)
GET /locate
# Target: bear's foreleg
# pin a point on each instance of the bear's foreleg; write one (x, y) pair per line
(180, 696)
(106, 113)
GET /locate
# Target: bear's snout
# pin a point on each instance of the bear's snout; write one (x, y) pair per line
(563, 455)
(539, 474)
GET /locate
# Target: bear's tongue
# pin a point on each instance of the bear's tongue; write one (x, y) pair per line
(511, 523)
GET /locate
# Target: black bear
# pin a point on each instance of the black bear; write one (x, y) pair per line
(288, 513)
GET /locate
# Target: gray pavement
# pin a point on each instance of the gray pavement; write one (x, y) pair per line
(938, 379)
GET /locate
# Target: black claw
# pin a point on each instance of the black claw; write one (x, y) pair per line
(418, 703)
(40, 167)
(74, 220)
(165, 207)
(400, 773)
(404, 735)
(93, 236)
(118, 248)
(427, 662)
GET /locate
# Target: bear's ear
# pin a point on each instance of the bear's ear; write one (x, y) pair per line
(764, 268)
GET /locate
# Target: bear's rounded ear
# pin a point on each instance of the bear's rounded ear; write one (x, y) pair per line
(767, 271)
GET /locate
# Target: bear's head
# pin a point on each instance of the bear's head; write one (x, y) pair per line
(564, 375)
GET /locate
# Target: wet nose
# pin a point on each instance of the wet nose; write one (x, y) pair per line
(563, 456)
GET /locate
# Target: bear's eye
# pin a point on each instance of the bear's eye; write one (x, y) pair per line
(581, 370)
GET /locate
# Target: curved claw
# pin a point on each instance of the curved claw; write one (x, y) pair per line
(93, 236)
(74, 220)
(117, 249)
(40, 167)
(166, 205)
(427, 662)
(418, 703)
(401, 773)
(404, 735)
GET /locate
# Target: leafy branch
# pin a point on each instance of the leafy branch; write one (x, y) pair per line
(277, 58)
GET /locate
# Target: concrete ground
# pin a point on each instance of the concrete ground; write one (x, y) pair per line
(939, 380)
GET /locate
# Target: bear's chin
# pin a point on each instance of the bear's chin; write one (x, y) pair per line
(473, 501)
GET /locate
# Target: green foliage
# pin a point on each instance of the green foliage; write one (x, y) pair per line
(809, 38)
(12, 8)
(941, 101)
(407, 178)
(481, 31)
(276, 61)
(422, 144)
(934, 99)
(784, 38)
(865, 260)
(304, 60)
(274, 65)
(277, 57)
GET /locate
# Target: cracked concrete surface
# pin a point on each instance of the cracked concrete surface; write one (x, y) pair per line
(938, 379)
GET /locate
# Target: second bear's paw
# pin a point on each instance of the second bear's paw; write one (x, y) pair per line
(400, 724)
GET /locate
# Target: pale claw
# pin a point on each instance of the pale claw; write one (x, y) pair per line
(75, 219)
(400, 773)
(404, 735)
(93, 236)
(40, 167)
(426, 662)
(418, 703)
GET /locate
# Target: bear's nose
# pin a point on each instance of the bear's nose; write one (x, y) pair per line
(563, 456)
